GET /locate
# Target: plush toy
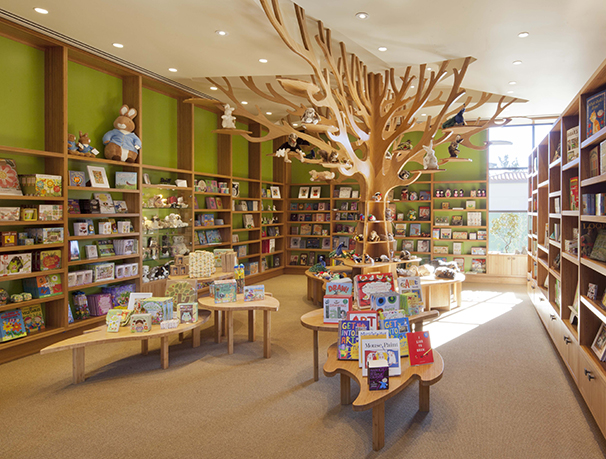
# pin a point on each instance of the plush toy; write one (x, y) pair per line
(153, 249)
(430, 161)
(84, 147)
(456, 120)
(310, 116)
(404, 174)
(405, 255)
(121, 143)
(228, 121)
(293, 144)
(359, 238)
(372, 218)
(323, 175)
(377, 196)
(453, 148)
(369, 260)
(406, 145)
(71, 144)
(373, 237)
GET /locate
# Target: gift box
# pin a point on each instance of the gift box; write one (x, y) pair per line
(188, 313)
(43, 286)
(140, 323)
(46, 235)
(50, 212)
(225, 291)
(9, 214)
(46, 260)
(120, 294)
(160, 308)
(15, 263)
(8, 238)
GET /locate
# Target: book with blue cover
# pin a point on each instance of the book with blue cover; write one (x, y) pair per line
(397, 328)
(348, 338)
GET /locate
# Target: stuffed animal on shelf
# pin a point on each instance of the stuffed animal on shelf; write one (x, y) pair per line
(369, 260)
(323, 175)
(456, 120)
(294, 144)
(310, 116)
(406, 145)
(404, 174)
(430, 161)
(453, 148)
(121, 143)
(71, 144)
(377, 196)
(84, 147)
(372, 218)
(359, 238)
(405, 255)
(373, 237)
(228, 121)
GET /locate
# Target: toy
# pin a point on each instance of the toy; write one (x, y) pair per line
(369, 260)
(359, 238)
(373, 237)
(3, 297)
(372, 218)
(83, 146)
(404, 174)
(71, 144)
(405, 255)
(453, 148)
(456, 120)
(456, 193)
(413, 196)
(430, 161)
(293, 144)
(448, 193)
(461, 193)
(153, 248)
(445, 273)
(310, 116)
(323, 175)
(406, 145)
(377, 196)
(228, 121)
(121, 143)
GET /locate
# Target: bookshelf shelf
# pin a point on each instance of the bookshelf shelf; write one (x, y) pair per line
(102, 259)
(101, 283)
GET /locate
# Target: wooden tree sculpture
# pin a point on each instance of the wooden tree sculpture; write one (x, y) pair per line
(363, 116)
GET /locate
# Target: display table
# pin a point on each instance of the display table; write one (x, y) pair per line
(427, 375)
(437, 292)
(100, 335)
(267, 305)
(314, 320)
(378, 266)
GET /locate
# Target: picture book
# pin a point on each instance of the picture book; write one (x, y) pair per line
(106, 248)
(73, 206)
(336, 308)
(140, 323)
(367, 284)
(574, 193)
(400, 229)
(594, 162)
(126, 180)
(348, 338)
(415, 230)
(213, 236)
(254, 293)
(596, 113)
(106, 203)
(424, 213)
(365, 316)
(384, 302)
(12, 325)
(339, 288)
(599, 343)
(160, 308)
(77, 178)
(225, 291)
(211, 203)
(382, 349)
(208, 220)
(397, 328)
(113, 322)
(419, 348)
(411, 295)
(572, 143)
(186, 313)
(369, 334)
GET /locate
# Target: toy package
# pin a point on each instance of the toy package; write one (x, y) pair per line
(140, 323)
(254, 293)
(80, 306)
(16, 263)
(225, 291)
(188, 313)
(160, 308)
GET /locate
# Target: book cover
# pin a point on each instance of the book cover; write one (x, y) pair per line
(12, 325)
(419, 347)
(367, 284)
(378, 375)
(397, 328)
(213, 236)
(369, 334)
(9, 185)
(382, 349)
(413, 302)
(33, 318)
(106, 203)
(113, 322)
(572, 143)
(339, 288)
(126, 180)
(225, 291)
(596, 112)
(254, 293)
(384, 302)
(424, 213)
(415, 230)
(348, 338)
(365, 316)
(211, 203)
(599, 343)
(336, 308)
(140, 323)
(574, 193)
(160, 308)
(186, 313)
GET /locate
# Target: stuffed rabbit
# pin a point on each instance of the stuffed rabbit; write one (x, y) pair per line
(121, 143)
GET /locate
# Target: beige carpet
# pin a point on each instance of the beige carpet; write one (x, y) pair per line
(504, 394)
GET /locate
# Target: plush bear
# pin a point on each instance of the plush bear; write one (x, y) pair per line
(310, 116)
(121, 143)
(84, 147)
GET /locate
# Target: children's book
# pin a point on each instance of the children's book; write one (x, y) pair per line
(113, 322)
(106, 203)
(367, 284)
(208, 220)
(339, 288)
(336, 308)
(369, 334)
(11, 325)
(126, 180)
(397, 328)
(366, 316)
(384, 302)
(211, 203)
(415, 229)
(411, 295)
(382, 349)
(348, 338)
(254, 293)
(419, 348)
(106, 248)
(33, 318)
(213, 236)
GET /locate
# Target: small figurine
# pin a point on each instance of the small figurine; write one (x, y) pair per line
(461, 193)
(373, 237)
(310, 116)
(369, 260)
(359, 238)
(473, 193)
(323, 175)
(404, 194)
(437, 193)
(121, 143)
(361, 217)
(406, 145)
(71, 144)
(228, 121)
(293, 144)
(404, 175)
(372, 218)
(430, 161)
(377, 196)
(413, 196)
(456, 193)
(453, 148)
(448, 193)
(405, 255)
(456, 120)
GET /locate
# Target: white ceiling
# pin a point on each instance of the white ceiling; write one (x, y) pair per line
(566, 43)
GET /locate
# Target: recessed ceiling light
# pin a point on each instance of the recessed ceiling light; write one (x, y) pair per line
(118, 45)
(509, 92)
(295, 124)
(41, 10)
(517, 62)
(172, 69)
(213, 88)
(423, 114)
(523, 34)
(382, 48)
(512, 83)
(268, 113)
(244, 102)
(221, 32)
(412, 87)
(362, 15)
(263, 61)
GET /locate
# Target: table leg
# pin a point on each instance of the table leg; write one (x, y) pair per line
(230, 332)
(251, 325)
(195, 337)
(378, 426)
(218, 326)
(223, 316)
(309, 287)
(316, 346)
(423, 398)
(144, 346)
(181, 336)
(78, 365)
(267, 334)
(458, 287)
(164, 352)
(345, 390)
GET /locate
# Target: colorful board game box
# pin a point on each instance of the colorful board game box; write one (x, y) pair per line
(254, 293)
(160, 308)
(225, 291)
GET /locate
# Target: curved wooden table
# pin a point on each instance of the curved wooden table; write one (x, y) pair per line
(100, 335)
(436, 291)
(427, 375)
(314, 320)
(267, 305)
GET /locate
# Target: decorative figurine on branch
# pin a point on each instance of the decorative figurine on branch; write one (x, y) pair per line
(453, 148)
(333, 158)
(293, 144)
(310, 116)
(405, 146)
(377, 196)
(456, 120)
(430, 161)
(121, 143)
(228, 121)
(323, 175)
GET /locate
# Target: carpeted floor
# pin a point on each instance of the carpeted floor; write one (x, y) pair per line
(504, 394)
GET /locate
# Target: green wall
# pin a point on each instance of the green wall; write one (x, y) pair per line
(205, 142)
(159, 129)
(239, 148)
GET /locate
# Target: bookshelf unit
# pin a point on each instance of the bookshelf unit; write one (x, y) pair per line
(554, 269)
(61, 90)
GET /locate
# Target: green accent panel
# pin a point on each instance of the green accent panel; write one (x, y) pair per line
(26, 164)
(300, 171)
(267, 162)
(160, 129)
(21, 89)
(205, 142)
(239, 149)
(93, 102)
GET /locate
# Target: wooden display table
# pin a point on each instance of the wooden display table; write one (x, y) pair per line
(100, 335)
(427, 375)
(268, 305)
(437, 292)
(314, 320)
(377, 267)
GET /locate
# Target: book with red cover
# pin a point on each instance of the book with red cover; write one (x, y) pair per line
(419, 348)
(367, 284)
(574, 193)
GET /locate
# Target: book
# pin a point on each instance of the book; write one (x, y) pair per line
(412, 302)
(336, 308)
(339, 288)
(572, 143)
(415, 230)
(478, 265)
(106, 203)
(594, 162)
(599, 343)
(574, 193)
(365, 316)
(369, 334)
(381, 302)
(378, 375)
(424, 213)
(457, 220)
(211, 202)
(596, 113)
(12, 325)
(367, 284)
(348, 338)
(419, 347)
(126, 180)
(105, 248)
(603, 157)
(382, 349)
(397, 328)
(254, 293)
(345, 192)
